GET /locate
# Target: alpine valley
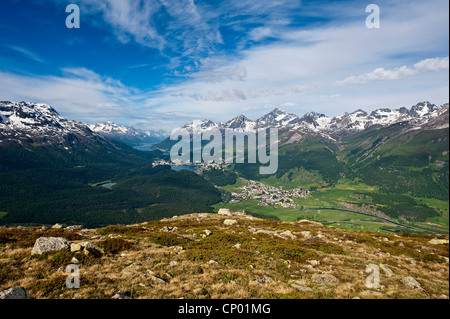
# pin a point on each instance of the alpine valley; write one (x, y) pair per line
(381, 171)
(139, 229)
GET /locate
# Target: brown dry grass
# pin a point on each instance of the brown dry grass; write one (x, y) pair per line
(137, 258)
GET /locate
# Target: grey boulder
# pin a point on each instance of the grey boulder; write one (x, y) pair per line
(44, 244)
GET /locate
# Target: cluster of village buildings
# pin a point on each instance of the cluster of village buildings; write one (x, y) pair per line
(198, 166)
(270, 195)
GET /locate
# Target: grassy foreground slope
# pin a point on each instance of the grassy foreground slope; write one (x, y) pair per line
(228, 256)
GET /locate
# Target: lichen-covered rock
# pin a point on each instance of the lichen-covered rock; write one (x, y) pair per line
(306, 234)
(410, 282)
(90, 248)
(324, 279)
(288, 234)
(387, 271)
(207, 232)
(44, 244)
(229, 222)
(225, 212)
(75, 247)
(438, 241)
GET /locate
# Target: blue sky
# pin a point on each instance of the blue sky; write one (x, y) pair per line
(163, 63)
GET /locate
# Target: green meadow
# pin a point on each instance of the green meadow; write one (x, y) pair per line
(346, 191)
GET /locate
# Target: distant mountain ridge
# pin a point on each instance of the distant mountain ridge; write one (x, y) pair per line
(293, 128)
(38, 123)
(129, 134)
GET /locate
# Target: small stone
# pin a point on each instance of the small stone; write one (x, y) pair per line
(74, 227)
(224, 211)
(177, 249)
(300, 285)
(324, 279)
(74, 247)
(229, 222)
(207, 232)
(289, 234)
(131, 269)
(173, 263)
(314, 262)
(157, 279)
(57, 226)
(92, 249)
(120, 295)
(263, 280)
(410, 282)
(238, 246)
(387, 271)
(306, 234)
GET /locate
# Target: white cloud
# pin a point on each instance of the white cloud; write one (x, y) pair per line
(81, 94)
(299, 71)
(380, 74)
(260, 33)
(235, 74)
(430, 65)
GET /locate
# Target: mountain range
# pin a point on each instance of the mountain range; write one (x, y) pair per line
(30, 123)
(40, 123)
(402, 153)
(128, 134)
(331, 127)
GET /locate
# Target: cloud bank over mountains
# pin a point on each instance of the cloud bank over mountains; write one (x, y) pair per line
(205, 59)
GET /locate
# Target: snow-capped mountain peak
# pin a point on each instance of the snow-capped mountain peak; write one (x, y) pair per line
(241, 122)
(128, 134)
(29, 123)
(277, 118)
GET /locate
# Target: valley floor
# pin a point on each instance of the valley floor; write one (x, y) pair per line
(342, 206)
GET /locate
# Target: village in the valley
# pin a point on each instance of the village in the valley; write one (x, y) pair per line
(270, 195)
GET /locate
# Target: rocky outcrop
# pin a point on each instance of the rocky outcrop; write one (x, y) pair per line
(44, 244)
